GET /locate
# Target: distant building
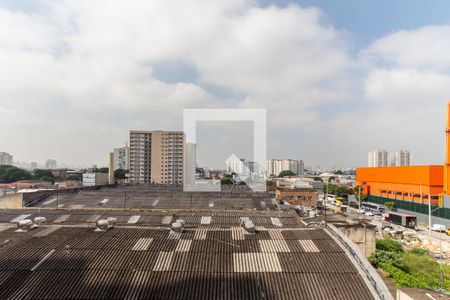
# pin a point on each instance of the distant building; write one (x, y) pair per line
(237, 165)
(382, 158)
(276, 166)
(51, 164)
(297, 196)
(378, 158)
(33, 165)
(122, 158)
(95, 179)
(156, 156)
(402, 158)
(6, 159)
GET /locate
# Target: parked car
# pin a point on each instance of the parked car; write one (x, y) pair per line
(369, 213)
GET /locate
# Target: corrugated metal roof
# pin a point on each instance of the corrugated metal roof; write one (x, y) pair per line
(153, 262)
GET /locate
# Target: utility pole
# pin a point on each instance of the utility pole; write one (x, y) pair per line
(429, 214)
(125, 201)
(325, 203)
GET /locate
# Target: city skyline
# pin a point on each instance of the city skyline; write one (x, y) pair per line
(339, 85)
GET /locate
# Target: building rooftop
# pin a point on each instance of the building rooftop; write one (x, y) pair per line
(205, 261)
(214, 257)
(158, 197)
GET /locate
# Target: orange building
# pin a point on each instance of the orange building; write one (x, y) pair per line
(414, 183)
(410, 187)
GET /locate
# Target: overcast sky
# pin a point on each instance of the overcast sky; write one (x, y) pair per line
(337, 80)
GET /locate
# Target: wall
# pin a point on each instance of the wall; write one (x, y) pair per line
(402, 183)
(306, 197)
(363, 236)
(11, 201)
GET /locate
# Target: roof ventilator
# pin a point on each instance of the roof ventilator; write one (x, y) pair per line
(105, 224)
(39, 221)
(24, 225)
(248, 226)
(177, 226)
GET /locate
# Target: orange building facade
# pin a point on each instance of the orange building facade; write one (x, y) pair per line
(409, 183)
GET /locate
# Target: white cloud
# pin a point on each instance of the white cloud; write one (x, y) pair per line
(425, 48)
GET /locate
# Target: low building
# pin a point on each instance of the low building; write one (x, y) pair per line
(296, 196)
(95, 179)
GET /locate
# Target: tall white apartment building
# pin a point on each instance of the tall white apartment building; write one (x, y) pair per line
(402, 158)
(276, 166)
(382, 158)
(378, 158)
(122, 158)
(156, 156)
(238, 166)
(6, 159)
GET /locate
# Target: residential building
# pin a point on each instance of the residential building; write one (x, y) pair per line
(140, 156)
(378, 158)
(276, 166)
(156, 156)
(51, 164)
(95, 179)
(402, 158)
(237, 165)
(122, 158)
(382, 158)
(33, 165)
(6, 159)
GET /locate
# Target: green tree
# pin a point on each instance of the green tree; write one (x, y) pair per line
(103, 170)
(74, 177)
(226, 181)
(120, 173)
(48, 179)
(39, 174)
(10, 174)
(286, 173)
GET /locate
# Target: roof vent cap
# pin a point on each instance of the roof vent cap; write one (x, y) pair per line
(250, 227)
(177, 226)
(24, 225)
(112, 221)
(102, 225)
(39, 221)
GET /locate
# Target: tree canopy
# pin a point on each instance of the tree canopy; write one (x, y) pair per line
(120, 173)
(10, 174)
(286, 173)
(39, 174)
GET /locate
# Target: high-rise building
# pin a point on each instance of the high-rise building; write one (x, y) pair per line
(382, 158)
(402, 158)
(122, 158)
(378, 158)
(156, 156)
(33, 165)
(6, 159)
(276, 166)
(51, 164)
(237, 165)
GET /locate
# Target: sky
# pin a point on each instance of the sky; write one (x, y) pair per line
(337, 78)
